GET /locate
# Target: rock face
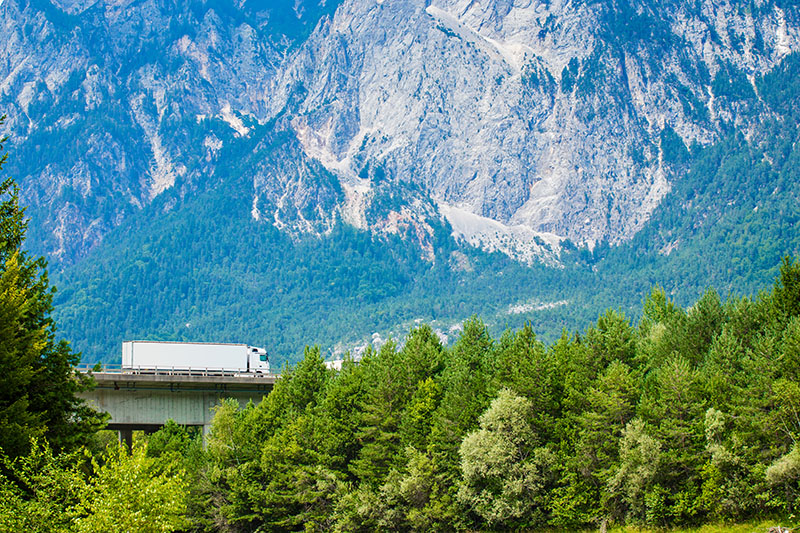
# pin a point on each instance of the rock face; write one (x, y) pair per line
(521, 122)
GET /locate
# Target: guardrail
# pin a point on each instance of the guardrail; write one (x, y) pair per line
(111, 368)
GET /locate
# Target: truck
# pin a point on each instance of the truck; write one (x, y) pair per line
(188, 356)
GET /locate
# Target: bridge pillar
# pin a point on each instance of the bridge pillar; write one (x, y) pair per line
(126, 438)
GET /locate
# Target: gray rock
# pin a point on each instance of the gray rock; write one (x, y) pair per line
(522, 122)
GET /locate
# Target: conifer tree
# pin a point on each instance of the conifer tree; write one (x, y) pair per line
(38, 381)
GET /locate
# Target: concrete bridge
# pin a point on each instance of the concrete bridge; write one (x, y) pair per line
(145, 400)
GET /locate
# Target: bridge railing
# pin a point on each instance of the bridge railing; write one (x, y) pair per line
(116, 368)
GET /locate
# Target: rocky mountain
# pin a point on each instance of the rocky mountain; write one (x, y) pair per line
(545, 117)
(516, 126)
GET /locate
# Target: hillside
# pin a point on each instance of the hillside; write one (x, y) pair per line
(335, 170)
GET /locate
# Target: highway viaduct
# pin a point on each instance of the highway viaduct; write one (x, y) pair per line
(139, 400)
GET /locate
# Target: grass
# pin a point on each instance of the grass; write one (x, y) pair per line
(756, 526)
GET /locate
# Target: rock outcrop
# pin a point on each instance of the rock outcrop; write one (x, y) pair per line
(521, 122)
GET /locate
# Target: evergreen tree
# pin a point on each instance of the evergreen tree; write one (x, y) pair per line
(466, 387)
(524, 365)
(386, 396)
(340, 412)
(786, 294)
(38, 380)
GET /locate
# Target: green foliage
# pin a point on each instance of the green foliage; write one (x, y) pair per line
(672, 147)
(610, 405)
(506, 477)
(172, 439)
(787, 290)
(19, 352)
(523, 364)
(633, 483)
(340, 415)
(293, 488)
(307, 382)
(387, 390)
(417, 418)
(73, 492)
(467, 392)
(690, 417)
(41, 492)
(133, 492)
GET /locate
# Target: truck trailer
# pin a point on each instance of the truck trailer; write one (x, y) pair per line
(187, 356)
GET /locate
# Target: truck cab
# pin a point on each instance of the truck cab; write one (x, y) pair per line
(258, 359)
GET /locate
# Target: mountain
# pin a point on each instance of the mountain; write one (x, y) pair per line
(320, 172)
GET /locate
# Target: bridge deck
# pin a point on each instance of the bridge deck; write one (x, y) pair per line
(162, 379)
(147, 399)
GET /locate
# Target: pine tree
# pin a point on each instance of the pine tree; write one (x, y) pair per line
(38, 381)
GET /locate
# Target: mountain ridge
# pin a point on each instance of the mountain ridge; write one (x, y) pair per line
(563, 135)
(440, 133)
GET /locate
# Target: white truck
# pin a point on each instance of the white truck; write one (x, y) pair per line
(188, 356)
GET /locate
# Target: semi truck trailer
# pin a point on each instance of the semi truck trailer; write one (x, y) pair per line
(154, 355)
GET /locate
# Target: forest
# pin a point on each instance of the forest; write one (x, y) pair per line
(730, 216)
(659, 416)
(687, 417)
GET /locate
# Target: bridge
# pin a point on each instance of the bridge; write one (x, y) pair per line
(146, 399)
